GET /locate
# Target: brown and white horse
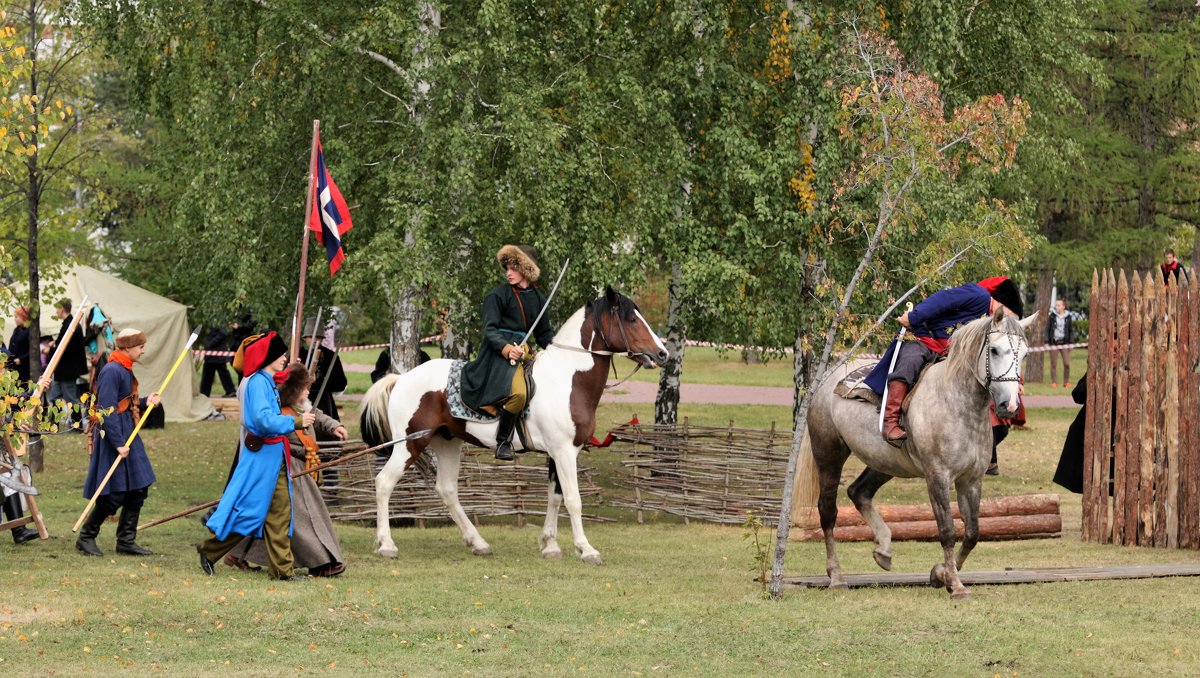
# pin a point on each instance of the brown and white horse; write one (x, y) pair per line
(569, 378)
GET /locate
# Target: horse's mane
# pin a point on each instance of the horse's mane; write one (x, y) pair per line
(967, 341)
(624, 306)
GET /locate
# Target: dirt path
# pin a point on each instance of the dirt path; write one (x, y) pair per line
(645, 392)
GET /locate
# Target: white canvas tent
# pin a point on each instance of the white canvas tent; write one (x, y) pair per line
(164, 322)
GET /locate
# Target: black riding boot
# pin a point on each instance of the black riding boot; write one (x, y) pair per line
(127, 526)
(504, 432)
(86, 543)
(12, 511)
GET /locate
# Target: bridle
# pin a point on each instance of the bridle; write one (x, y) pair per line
(598, 330)
(1012, 373)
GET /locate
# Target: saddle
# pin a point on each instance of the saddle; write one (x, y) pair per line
(853, 388)
(461, 410)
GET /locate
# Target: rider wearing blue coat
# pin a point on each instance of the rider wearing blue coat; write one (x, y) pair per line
(257, 500)
(931, 323)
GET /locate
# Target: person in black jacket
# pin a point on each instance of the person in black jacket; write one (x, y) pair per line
(73, 363)
(214, 365)
(1059, 332)
(18, 344)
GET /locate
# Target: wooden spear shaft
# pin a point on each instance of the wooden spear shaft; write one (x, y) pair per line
(319, 467)
(112, 469)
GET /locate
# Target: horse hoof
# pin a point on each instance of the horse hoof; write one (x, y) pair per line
(883, 560)
(961, 594)
(593, 559)
(552, 554)
(485, 550)
(388, 552)
(937, 576)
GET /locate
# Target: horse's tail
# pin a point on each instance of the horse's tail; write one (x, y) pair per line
(806, 487)
(373, 423)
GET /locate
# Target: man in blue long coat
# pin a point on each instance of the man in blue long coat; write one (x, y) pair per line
(257, 499)
(931, 324)
(117, 388)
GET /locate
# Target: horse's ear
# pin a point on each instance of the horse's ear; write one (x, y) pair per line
(1025, 324)
(998, 316)
(611, 296)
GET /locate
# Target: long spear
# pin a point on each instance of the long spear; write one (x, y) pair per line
(318, 467)
(112, 469)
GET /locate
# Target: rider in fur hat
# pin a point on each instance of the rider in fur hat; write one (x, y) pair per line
(931, 324)
(496, 378)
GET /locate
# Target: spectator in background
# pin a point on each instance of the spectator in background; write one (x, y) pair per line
(383, 364)
(239, 330)
(214, 365)
(18, 344)
(1060, 332)
(73, 364)
(1171, 267)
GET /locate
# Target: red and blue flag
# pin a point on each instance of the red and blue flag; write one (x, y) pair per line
(330, 218)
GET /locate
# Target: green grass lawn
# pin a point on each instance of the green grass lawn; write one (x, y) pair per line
(670, 600)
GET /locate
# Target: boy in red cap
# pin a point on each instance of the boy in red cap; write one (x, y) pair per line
(257, 499)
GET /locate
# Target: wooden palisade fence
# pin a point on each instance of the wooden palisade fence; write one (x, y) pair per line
(1142, 407)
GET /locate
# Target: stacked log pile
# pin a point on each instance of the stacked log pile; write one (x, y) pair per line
(484, 488)
(1034, 516)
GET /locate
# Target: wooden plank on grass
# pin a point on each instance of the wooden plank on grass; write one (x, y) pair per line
(1009, 576)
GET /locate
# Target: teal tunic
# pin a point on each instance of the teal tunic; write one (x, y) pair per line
(507, 312)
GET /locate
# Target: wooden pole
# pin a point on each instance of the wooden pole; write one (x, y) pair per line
(112, 469)
(319, 467)
(298, 321)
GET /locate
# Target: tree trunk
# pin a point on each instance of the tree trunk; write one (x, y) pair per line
(33, 204)
(666, 403)
(406, 310)
(406, 317)
(1035, 362)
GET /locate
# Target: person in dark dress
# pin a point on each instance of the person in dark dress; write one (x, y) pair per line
(127, 489)
(495, 381)
(1069, 473)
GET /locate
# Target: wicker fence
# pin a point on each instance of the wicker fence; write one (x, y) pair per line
(1143, 413)
(714, 474)
(484, 489)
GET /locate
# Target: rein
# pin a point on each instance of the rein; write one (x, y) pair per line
(596, 330)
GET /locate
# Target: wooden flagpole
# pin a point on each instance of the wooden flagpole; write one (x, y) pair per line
(298, 321)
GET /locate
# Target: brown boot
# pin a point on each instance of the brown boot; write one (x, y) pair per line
(892, 433)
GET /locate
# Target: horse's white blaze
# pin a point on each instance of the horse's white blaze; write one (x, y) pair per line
(657, 342)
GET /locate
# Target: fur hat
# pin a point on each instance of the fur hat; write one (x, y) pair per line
(1006, 292)
(524, 257)
(129, 338)
(264, 351)
(294, 389)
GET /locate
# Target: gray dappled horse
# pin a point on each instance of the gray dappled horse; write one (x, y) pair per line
(949, 441)
(569, 376)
